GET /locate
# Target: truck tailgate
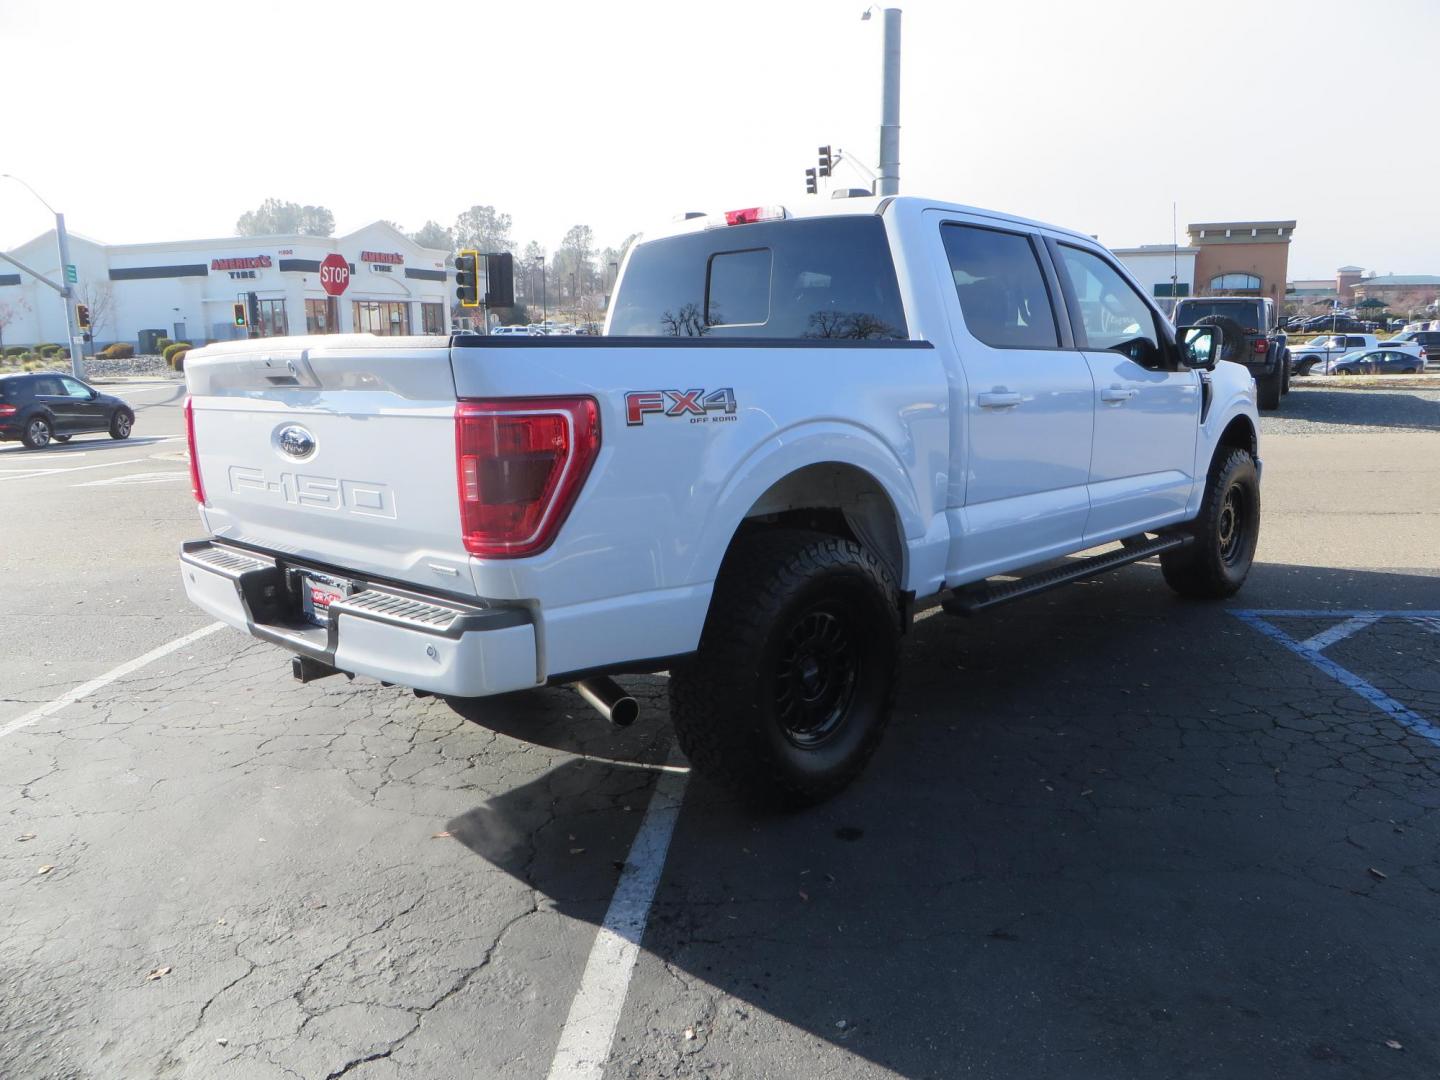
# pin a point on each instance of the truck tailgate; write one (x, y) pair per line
(339, 450)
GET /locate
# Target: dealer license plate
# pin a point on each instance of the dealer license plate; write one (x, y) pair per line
(318, 592)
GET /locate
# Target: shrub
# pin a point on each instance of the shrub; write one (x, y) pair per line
(170, 350)
(15, 350)
(177, 359)
(119, 351)
(43, 348)
(161, 344)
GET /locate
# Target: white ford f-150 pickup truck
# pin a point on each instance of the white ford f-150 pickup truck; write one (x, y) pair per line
(799, 427)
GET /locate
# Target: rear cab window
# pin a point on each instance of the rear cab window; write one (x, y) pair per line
(1248, 313)
(801, 278)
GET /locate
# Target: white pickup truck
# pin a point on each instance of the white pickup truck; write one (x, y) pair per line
(800, 427)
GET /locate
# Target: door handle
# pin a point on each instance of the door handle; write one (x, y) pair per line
(998, 399)
(1117, 394)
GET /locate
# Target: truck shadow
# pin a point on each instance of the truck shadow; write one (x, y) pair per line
(1109, 834)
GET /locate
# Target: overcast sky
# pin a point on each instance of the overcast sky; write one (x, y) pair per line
(155, 121)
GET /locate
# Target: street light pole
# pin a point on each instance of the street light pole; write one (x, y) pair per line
(889, 183)
(67, 293)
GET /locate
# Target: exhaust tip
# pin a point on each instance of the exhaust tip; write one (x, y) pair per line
(611, 702)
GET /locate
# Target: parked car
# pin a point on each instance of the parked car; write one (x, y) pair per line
(44, 407)
(511, 331)
(1305, 357)
(1428, 340)
(1374, 362)
(1252, 336)
(845, 443)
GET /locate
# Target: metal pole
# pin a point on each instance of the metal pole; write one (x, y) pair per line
(77, 343)
(544, 297)
(889, 182)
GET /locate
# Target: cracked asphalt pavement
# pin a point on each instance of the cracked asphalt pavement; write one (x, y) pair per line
(1109, 834)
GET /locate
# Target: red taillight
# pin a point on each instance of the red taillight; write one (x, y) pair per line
(197, 486)
(1262, 346)
(520, 463)
(8, 410)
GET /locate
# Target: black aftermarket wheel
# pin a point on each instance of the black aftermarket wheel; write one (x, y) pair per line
(1226, 531)
(792, 686)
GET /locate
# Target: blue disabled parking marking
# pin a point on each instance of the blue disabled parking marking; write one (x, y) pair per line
(1311, 650)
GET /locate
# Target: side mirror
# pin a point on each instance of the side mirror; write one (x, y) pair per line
(1199, 346)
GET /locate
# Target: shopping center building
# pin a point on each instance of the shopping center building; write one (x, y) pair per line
(186, 290)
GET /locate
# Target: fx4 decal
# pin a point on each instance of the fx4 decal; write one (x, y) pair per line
(695, 404)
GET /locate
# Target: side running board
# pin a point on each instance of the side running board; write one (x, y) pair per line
(973, 599)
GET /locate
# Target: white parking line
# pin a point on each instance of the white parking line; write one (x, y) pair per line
(135, 478)
(84, 690)
(595, 1013)
(21, 474)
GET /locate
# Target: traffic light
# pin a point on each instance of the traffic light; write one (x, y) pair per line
(252, 314)
(811, 184)
(500, 280)
(467, 281)
(239, 313)
(827, 161)
(82, 316)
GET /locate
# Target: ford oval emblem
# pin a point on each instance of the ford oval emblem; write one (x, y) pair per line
(295, 441)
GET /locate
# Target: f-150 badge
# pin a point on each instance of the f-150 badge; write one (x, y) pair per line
(698, 406)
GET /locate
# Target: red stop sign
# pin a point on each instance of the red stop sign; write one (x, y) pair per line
(334, 274)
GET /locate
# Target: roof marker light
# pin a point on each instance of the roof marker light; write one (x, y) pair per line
(751, 214)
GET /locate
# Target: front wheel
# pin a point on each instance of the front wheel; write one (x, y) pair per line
(121, 423)
(37, 433)
(792, 685)
(1217, 560)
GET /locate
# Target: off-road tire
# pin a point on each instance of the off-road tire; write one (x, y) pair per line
(739, 703)
(38, 433)
(1267, 391)
(1284, 374)
(1217, 561)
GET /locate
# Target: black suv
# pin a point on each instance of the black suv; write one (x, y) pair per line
(1251, 336)
(47, 407)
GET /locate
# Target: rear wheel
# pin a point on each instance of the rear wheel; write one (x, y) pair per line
(1217, 561)
(37, 433)
(792, 685)
(121, 423)
(1268, 390)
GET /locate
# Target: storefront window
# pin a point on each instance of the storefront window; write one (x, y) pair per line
(383, 317)
(273, 322)
(432, 316)
(322, 316)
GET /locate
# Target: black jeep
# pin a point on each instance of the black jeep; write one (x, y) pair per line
(1252, 336)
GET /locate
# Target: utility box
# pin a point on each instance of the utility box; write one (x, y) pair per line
(149, 340)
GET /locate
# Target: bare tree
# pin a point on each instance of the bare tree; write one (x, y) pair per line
(10, 310)
(100, 299)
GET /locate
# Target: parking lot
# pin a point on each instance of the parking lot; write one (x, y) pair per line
(1110, 834)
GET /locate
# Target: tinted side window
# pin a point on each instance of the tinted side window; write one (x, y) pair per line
(47, 385)
(1002, 291)
(1112, 312)
(827, 278)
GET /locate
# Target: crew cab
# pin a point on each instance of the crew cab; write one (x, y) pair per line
(800, 427)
